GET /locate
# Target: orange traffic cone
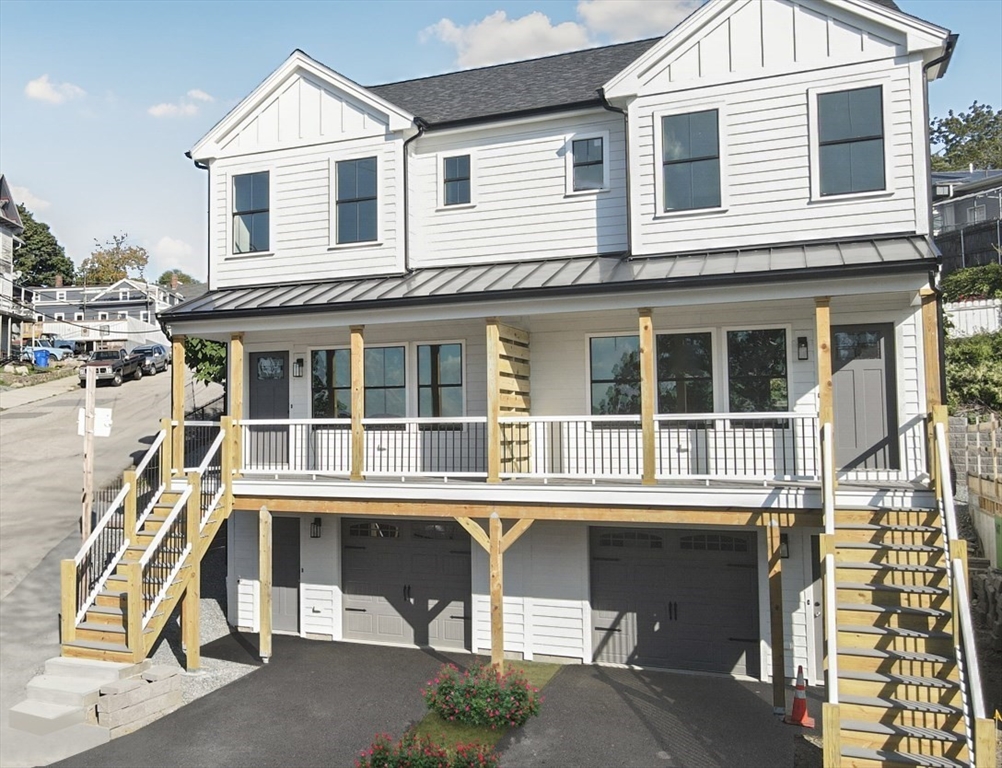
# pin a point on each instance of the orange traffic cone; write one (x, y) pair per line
(799, 715)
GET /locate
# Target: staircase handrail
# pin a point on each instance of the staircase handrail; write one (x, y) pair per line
(102, 524)
(831, 598)
(175, 511)
(213, 449)
(157, 442)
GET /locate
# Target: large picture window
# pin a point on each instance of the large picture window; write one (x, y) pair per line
(690, 150)
(851, 141)
(440, 380)
(685, 372)
(356, 195)
(331, 383)
(385, 382)
(757, 371)
(615, 375)
(251, 218)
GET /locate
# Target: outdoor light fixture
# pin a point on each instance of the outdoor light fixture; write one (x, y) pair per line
(315, 528)
(297, 368)
(802, 348)
(784, 546)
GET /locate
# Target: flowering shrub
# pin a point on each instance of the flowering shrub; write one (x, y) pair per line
(422, 752)
(480, 696)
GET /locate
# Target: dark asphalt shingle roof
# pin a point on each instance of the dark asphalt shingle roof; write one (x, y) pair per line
(553, 82)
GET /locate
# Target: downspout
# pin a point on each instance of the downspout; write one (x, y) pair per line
(626, 138)
(421, 127)
(208, 235)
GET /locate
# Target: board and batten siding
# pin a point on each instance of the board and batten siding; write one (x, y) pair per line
(521, 208)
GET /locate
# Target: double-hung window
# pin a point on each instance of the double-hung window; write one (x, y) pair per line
(757, 371)
(690, 158)
(588, 164)
(615, 375)
(251, 213)
(330, 375)
(456, 180)
(440, 380)
(385, 382)
(851, 141)
(685, 372)
(356, 195)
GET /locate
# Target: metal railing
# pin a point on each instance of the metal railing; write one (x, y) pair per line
(210, 486)
(149, 479)
(198, 438)
(164, 557)
(571, 446)
(100, 553)
(296, 446)
(426, 447)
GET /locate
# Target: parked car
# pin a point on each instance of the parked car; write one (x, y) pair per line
(28, 350)
(154, 358)
(113, 366)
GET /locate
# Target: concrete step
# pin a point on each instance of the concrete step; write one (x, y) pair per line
(861, 757)
(102, 671)
(65, 690)
(43, 717)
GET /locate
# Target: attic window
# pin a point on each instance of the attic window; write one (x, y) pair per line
(251, 219)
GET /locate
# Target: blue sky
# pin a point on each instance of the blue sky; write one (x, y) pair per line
(100, 100)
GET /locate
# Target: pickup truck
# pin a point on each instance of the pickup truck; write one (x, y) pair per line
(113, 365)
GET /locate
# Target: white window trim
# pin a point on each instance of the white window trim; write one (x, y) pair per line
(229, 178)
(359, 154)
(722, 151)
(60, 295)
(123, 295)
(814, 137)
(440, 159)
(974, 209)
(123, 315)
(102, 315)
(414, 353)
(144, 316)
(78, 317)
(725, 404)
(569, 190)
(58, 317)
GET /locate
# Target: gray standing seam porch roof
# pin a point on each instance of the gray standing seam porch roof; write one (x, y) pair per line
(541, 278)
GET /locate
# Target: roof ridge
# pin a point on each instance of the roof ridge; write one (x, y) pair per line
(513, 63)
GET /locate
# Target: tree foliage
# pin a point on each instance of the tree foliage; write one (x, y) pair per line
(967, 138)
(974, 283)
(206, 359)
(183, 278)
(41, 257)
(973, 373)
(110, 261)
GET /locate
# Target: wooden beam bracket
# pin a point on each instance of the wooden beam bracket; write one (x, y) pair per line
(520, 527)
(476, 532)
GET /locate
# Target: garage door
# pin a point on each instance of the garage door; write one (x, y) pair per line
(681, 599)
(406, 582)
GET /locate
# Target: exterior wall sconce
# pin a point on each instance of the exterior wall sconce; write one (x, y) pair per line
(315, 528)
(802, 348)
(297, 368)
(784, 546)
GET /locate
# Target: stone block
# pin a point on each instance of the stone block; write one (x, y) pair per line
(135, 725)
(118, 687)
(161, 672)
(151, 707)
(105, 671)
(42, 717)
(142, 692)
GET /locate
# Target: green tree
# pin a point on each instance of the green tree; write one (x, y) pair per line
(183, 278)
(206, 359)
(41, 257)
(968, 138)
(109, 262)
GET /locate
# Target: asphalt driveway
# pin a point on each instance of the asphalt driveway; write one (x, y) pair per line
(319, 704)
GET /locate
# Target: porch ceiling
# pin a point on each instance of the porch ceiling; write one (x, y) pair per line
(544, 278)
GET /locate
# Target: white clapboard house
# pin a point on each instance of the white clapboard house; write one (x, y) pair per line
(628, 355)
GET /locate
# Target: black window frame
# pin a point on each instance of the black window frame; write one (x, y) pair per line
(589, 163)
(851, 140)
(732, 378)
(457, 180)
(682, 377)
(330, 386)
(239, 214)
(368, 387)
(690, 161)
(341, 203)
(435, 386)
(593, 382)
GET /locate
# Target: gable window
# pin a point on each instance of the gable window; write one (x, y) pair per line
(440, 380)
(685, 373)
(588, 160)
(251, 212)
(851, 141)
(615, 375)
(356, 201)
(756, 371)
(330, 376)
(123, 295)
(60, 295)
(456, 180)
(385, 382)
(690, 157)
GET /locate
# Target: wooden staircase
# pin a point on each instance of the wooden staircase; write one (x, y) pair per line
(899, 686)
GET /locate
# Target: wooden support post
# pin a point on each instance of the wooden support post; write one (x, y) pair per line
(493, 401)
(134, 610)
(958, 551)
(648, 395)
(129, 507)
(826, 387)
(776, 619)
(68, 600)
(985, 740)
(235, 397)
(166, 464)
(831, 754)
(177, 370)
(87, 497)
(357, 402)
(826, 545)
(264, 577)
(930, 354)
(938, 415)
(497, 595)
(190, 618)
(226, 461)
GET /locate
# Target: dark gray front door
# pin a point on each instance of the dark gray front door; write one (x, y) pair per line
(268, 446)
(684, 599)
(285, 574)
(407, 582)
(866, 428)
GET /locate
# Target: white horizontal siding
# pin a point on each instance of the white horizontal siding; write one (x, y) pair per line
(521, 209)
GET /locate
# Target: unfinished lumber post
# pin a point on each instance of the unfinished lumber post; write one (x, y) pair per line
(177, 402)
(235, 398)
(166, 463)
(826, 386)
(68, 600)
(831, 725)
(357, 402)
(134, 610)
(129, 506)
(497, 594)
(493, 401)
(776, 618)
(264, 577)
(648, 395)
(226, 460)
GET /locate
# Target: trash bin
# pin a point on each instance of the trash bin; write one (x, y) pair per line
(41, 358)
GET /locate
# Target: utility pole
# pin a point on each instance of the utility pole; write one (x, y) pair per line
(87, 499)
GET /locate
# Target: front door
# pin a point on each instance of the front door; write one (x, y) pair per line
(268, 446)
(285, 570)
(866, 427)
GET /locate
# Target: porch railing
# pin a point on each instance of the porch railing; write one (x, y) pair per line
(571, 446)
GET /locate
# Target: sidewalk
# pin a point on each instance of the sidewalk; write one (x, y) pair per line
(13, 398)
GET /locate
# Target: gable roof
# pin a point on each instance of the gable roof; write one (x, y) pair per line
(8, 208)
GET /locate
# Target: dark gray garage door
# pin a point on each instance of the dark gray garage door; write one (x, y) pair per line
(681, 599)
(407, 582)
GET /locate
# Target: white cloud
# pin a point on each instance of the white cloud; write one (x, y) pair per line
(24, 196)
(622, 20)
(174, 253)
(496, 38)
(42, 89)
(199, 95)
(180, 109)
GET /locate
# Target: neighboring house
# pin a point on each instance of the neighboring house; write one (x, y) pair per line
(124, 313)
(967, 217)
(605, 322)
(15, 301)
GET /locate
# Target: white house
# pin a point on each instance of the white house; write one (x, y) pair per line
(652, 327)
(15, 301)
